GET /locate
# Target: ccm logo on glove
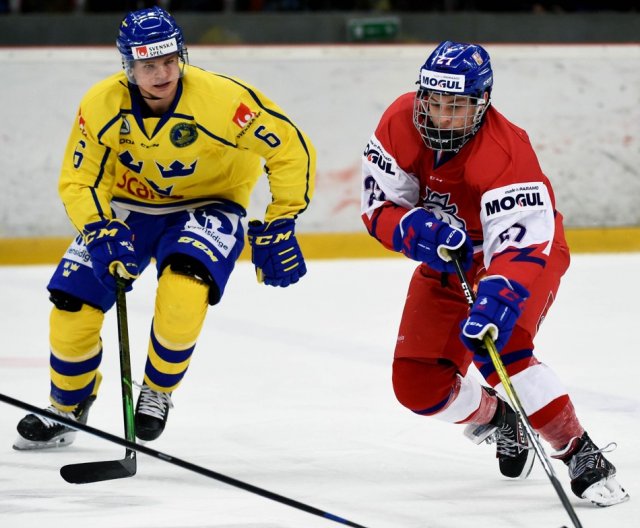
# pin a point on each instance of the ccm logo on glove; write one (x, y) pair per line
(275, 252)
(265, 240)
(110, 244)
(498, 305)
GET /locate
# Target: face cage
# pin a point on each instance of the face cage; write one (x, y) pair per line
(469, 109)
(127, 65)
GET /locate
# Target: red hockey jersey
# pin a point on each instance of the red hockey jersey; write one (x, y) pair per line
(493, 188)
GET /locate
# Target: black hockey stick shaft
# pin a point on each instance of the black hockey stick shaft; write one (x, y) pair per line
(87, 472)
(178, 462)
(505, 379)
(125, 364)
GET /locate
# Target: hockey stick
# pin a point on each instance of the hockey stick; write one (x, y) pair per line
(86, 472)
(177, 461)
(514, 399)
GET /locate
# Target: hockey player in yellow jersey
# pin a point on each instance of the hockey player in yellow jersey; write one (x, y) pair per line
(160, 164)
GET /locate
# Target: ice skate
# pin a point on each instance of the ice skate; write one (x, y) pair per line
(513, 450)
(592, 475)
(152, 411)
(39, 432)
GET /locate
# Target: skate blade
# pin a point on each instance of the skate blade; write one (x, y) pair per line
(479, 433)
(605, 493)
(22, 444)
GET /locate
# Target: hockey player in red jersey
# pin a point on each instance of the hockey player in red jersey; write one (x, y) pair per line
(445, 171)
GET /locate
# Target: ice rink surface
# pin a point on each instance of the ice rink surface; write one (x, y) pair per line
(289, 390)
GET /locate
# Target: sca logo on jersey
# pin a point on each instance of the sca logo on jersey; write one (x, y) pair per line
(373, 155)
(183, 134)
(133, 186)
(445, 82)
(522, 200)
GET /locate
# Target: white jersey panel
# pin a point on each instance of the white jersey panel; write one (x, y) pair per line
(465, 403)
(537, 386)
(383, 180)
(518, 215)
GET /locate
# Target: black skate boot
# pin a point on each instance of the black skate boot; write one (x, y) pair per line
(592, 475)
(152, 411)
(513, 450)
(38, 432)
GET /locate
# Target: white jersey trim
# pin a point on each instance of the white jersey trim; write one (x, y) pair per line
(383, 180)
(518, 215)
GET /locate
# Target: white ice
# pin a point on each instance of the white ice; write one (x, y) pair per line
(289, 390)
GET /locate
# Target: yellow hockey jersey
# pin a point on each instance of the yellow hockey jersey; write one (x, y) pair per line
(211, 145)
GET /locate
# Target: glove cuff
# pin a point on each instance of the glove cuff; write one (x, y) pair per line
(445, 248)
(512, 284)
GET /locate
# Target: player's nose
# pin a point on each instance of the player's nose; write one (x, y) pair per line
(445, 120)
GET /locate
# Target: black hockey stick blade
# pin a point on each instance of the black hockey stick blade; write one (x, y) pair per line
(88, 472)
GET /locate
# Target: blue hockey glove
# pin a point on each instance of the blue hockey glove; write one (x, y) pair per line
(110, 244)
(422, 237)
(498, 305)
(275, 252)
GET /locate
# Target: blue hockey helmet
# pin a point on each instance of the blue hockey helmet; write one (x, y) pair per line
(147, 34)
(459, 70)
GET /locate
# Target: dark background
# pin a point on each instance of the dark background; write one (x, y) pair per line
(82, 22)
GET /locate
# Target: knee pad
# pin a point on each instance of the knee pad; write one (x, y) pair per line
(187, 265)
(75, 335)
(181, 307)
(423, 386)
(65, 301)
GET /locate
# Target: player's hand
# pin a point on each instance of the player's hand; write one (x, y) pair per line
(275, 252)
(498, 305)
(110, 244)
(422, 237)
